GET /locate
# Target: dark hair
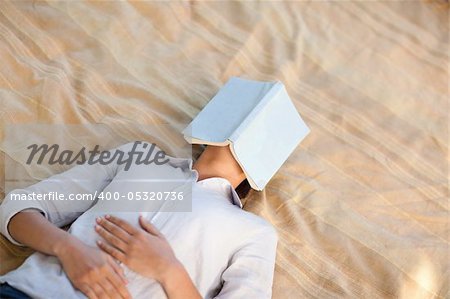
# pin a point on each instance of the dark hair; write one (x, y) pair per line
(243, 189)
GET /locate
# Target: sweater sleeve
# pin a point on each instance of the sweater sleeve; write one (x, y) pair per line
(87, 180)
(250, 273)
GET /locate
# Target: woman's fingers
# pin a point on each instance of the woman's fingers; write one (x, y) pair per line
(114, 229)
(118, 270)
(112, 251)
(88, 291)
(111, 237)
(108, 289)
(122, 224)
(98, 291)
(117, 281)
(150, 228)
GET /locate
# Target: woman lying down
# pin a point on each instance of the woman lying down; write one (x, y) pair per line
(212, 249)
(216, 250)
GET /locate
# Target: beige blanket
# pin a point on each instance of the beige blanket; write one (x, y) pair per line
(361, 207)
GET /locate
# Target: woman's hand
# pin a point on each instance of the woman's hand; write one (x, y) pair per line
(92, 271)
(144, 250)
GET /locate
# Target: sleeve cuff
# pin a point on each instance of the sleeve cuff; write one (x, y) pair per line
(9, 209)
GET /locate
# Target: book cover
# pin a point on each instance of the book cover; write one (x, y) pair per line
(257, 120)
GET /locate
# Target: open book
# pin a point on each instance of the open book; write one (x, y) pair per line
(257, 120)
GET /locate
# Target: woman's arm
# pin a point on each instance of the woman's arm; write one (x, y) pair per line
(35, 223)
(147, 252)
(250, 273)
(32, 229)
(90, 270)
(87, 180)
(177, 284)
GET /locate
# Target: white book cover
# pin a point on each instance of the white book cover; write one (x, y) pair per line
(257, 120)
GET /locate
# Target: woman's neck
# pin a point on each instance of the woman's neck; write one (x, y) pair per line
(218, 161)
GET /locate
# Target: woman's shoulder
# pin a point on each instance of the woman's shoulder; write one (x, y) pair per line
(257, 225)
